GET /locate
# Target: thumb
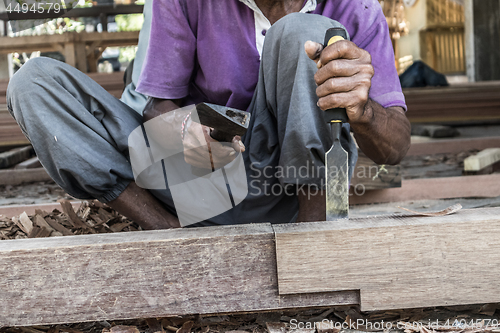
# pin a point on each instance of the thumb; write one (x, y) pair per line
(313, 50)
(237, 144)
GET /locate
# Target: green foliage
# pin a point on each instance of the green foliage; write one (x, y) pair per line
(127, 53)
(129, 22)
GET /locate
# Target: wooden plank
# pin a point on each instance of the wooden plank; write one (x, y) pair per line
(145, 275)
(31, 163)
(463, 103)
(453, 146)
(395, 262)
(15, 156)
(17, 177)
(482, 159)
(15, 210)
(482, 186)
(93, 11)
(34, 43)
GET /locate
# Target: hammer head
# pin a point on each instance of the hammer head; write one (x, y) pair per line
(223, 119)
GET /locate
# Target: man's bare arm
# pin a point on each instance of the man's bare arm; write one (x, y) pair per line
(383, 134)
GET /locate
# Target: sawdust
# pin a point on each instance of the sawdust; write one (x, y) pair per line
(459, 319)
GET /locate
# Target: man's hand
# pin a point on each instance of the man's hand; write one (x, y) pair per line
(202, 151)
(343, 77)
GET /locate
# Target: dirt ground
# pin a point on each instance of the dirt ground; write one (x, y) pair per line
(457, 319)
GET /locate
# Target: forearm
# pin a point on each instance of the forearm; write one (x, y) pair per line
(383, 134)
(156, 107)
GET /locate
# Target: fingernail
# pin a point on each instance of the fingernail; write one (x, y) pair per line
(232, 153)
(319, 64)
(241, 144)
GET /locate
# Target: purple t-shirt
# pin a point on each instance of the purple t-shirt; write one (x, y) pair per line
(205, 50)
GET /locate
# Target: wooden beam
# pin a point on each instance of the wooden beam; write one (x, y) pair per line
(483, 186)
(69, 54)
(15, 156)
(93, 11)
(50, 42)
(453, 146)
(17, 177)
(31, 163)
(395, 262)
(465, 103)
(146, 275)
(482, 159)
(81, 57)
(16, 210)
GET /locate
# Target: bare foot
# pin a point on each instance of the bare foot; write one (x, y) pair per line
(142, 207)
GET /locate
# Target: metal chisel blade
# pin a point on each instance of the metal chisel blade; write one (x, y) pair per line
(337, 183)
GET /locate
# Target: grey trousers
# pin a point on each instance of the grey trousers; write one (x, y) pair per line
(80, 132)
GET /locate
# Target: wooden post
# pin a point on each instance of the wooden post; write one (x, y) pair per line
(104, 21)
(69, 53)
(81, 57)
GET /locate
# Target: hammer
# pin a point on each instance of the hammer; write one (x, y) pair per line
(226, 122)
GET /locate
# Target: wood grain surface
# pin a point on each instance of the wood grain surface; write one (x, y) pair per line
(144, 275)
(482, 159)
(444, 146)
(395, 262)
(481, 186)
(23, 176)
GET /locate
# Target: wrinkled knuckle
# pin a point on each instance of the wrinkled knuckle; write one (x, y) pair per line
(371, 70)
(363, 95)
(366, 82)
(368, 57)
(322, 103)
(333, 68)
(317, 77)
(332, 84)
(334, 100)
(319, 91)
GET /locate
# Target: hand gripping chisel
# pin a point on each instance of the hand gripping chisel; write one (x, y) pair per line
(336, 159)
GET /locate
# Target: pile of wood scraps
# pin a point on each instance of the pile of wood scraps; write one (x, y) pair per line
(345, 319)
(91, 218)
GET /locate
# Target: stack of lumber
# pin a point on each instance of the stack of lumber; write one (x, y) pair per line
(464, 103)
(10, 133)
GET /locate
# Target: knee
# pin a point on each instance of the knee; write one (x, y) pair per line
(31, 72)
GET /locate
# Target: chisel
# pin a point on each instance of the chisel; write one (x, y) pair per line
(336, 159)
